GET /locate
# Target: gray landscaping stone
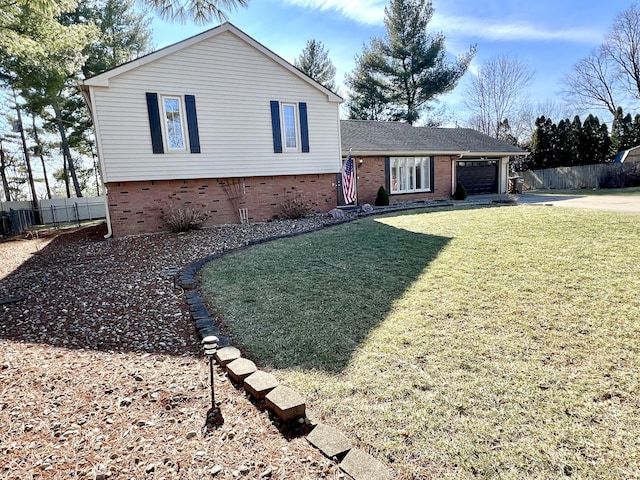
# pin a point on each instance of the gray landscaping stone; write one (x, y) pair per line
(362, 466)
(206, 331)
(329, 441)
(204, 322)
(241, 368)
(226, 355)
(260, 383)
(286, 403)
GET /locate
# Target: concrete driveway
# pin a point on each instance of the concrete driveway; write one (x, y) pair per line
(617, 203)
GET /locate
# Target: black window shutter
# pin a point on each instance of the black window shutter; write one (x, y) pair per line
(154, 122)
(432, 180)
(387, 173)
(192, 123)
(275, 126)
(304, 126)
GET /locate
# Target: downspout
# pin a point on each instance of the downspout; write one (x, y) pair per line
(106, 209)
(87, 94)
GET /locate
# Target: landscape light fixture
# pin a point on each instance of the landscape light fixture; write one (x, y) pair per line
(210, 344)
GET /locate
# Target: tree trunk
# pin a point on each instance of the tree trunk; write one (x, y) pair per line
(65, 172)
(27, 159)
(66, 153)
(39, 146)
(3, 174)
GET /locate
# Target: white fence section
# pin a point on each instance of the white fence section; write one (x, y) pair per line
(16, 217)
(601, 175)
(61, 210)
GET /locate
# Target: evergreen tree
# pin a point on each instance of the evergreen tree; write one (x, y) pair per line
(367, 99)
(622, 132)
(410, 65)
(124, 34)
(543, 144)
(315, 62)
(589, 141)
(604, 145)
(564, 145)
(198, 11)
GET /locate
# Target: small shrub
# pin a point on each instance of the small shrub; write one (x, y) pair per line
(183, 218)
(460, 193)
(382, 199)
(294, 207)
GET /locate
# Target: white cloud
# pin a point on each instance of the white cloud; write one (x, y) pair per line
(368, 12)
(371, 12)
(506, 31)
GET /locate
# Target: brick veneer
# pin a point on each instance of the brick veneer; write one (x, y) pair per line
(371, 174)
(138, 207)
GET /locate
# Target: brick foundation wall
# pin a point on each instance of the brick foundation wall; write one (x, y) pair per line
(138, 207)
(371, 174)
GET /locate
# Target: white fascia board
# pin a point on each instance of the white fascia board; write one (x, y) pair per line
(492, 154)
(408, 153)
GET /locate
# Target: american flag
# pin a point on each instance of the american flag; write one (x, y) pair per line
(348, 181)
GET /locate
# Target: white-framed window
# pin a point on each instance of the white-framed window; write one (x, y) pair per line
(174, 123)
(410, 174)
(290, 126)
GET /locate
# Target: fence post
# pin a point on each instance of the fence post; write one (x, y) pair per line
(53, 217)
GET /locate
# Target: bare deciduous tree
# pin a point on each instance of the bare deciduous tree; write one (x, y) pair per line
(610, 76)
(498, 92)
(592, 83)
(622, 46)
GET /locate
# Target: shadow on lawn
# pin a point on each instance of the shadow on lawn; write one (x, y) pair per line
(310, 301)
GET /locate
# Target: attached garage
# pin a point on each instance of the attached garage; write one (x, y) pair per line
(478, 175)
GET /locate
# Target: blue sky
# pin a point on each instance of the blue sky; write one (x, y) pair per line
(550, 36)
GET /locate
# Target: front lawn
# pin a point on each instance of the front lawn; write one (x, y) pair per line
(495, 342)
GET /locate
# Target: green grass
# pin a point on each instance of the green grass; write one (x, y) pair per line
(589, 191)
(498, 342)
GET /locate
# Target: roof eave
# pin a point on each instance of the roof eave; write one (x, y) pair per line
(493, 154)
(406, 153)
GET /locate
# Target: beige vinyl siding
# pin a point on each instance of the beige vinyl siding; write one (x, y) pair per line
(233, 84)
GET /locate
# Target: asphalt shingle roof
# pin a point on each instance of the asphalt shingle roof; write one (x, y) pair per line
(388, 137)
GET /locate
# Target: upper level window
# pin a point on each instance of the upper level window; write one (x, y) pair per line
(174, 123)
(410, 174)
(290, 126)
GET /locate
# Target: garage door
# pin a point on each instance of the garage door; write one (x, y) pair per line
(478, 176)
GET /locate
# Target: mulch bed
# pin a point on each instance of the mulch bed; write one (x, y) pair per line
(101, 373)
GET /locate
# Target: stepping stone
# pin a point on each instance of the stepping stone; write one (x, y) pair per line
(329, 441)
(260, 383)
(285, 403)
(240, 369)
(362, 466)
(226, 355)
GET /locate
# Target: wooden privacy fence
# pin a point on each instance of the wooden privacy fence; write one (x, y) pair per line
(16, 217)
(601, 175)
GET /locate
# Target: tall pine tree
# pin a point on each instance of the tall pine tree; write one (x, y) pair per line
(410, 66)
(315, 62)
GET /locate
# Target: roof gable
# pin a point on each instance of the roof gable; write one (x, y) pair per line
(103, 79)
(395, 138)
